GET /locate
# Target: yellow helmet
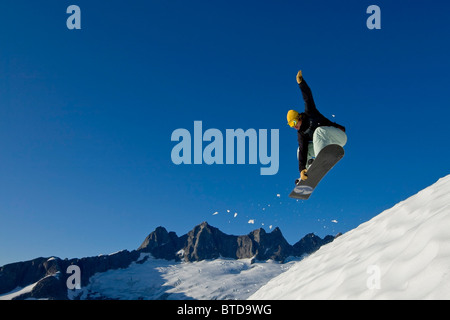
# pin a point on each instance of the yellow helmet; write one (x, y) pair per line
(292, 118)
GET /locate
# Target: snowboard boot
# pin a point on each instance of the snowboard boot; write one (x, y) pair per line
(309, 163)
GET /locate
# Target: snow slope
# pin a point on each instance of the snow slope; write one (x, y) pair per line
(156, 279)
(403, 253)
(151, 279)
(18, 292)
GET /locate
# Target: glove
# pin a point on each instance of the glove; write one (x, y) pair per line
(299, 77)
(303, 175)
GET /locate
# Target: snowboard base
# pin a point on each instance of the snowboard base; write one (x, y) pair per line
(324, 162)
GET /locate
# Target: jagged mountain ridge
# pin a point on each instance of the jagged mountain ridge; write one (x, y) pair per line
(207, 242)
(49, 275)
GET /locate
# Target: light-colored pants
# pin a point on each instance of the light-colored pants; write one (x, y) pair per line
(322, 137)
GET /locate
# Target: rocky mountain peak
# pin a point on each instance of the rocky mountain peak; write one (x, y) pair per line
(207, 242)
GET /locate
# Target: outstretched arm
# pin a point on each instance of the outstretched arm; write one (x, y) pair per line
(310, 106)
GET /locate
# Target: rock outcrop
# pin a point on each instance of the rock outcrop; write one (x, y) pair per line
(207, 242)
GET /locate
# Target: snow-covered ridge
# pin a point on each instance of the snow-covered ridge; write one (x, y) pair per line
(154, 279)
(403, 253)
(222, 267)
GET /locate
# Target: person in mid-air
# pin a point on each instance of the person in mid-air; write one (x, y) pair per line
(314, 131)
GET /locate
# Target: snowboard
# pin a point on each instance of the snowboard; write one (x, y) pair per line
(325, 160)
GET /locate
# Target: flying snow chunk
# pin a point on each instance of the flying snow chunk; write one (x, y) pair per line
(215, 213)
(251, 221)
(334, 221)
(235, 214)
(278, 195)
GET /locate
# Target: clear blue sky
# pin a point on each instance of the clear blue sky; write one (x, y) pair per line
(86, 116)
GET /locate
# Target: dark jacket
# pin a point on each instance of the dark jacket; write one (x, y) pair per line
(311, 120)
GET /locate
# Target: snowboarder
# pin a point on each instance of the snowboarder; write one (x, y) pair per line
(314, 131)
